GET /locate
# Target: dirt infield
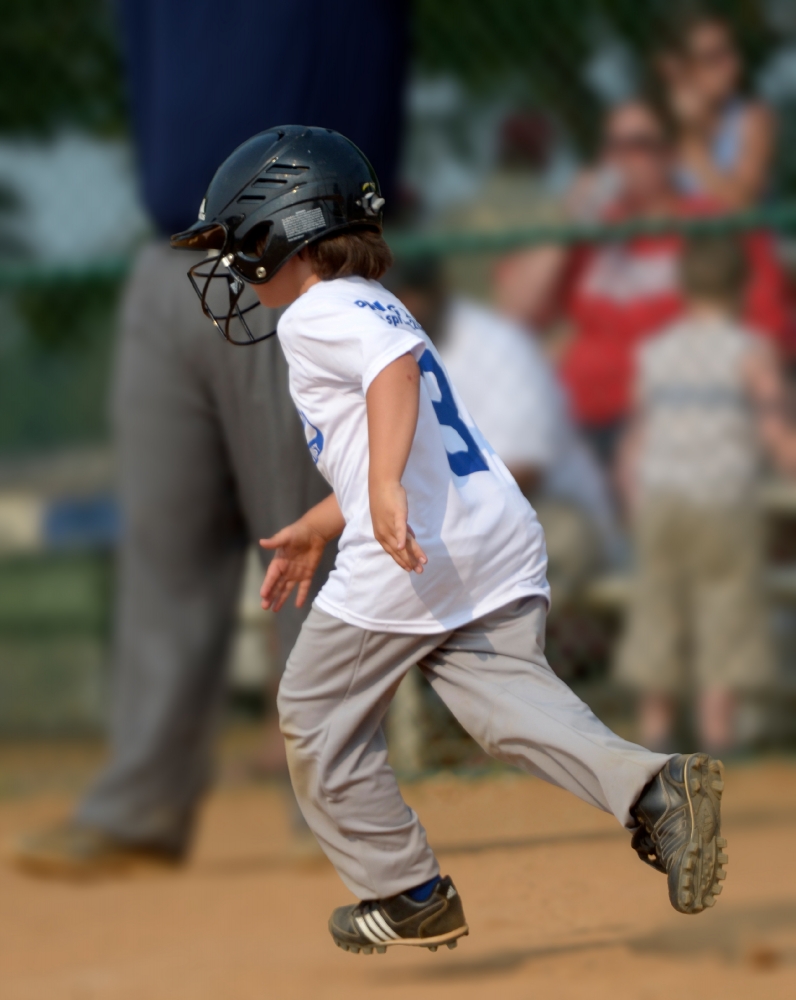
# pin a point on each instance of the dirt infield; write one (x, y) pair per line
(558, 908)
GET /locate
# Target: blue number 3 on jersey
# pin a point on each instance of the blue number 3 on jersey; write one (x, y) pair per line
(469, 459)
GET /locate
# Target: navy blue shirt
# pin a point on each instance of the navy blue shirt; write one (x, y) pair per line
(204, 75)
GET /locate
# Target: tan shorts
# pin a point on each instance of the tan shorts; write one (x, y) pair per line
(697, 616)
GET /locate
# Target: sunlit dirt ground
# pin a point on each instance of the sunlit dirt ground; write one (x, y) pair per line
(558, 905)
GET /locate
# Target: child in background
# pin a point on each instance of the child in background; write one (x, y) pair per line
(710, 403)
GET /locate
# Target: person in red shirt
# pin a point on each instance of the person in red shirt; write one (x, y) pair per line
(615, 295)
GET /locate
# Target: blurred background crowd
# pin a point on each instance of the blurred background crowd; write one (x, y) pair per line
(592, 216)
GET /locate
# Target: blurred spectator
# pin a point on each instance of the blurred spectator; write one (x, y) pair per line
(725, 139)
(616, 295)
(512, 393)
(212, 453)
(710, 401)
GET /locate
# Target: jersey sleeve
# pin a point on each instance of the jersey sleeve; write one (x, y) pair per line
(377, 361)
(352, 343)
(388, 332)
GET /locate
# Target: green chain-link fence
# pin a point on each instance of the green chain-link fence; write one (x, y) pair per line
(59, 70)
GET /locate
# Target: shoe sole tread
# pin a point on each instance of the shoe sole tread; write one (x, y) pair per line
(703, 857)
(451, 939)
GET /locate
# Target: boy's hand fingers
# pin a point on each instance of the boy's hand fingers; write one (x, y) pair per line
(423, 558)
(284, 594)
(271, 601)
(301, 593)
(399, 532)
(274, 583)
(399, 555)
(282, 537)
(416, 554)
(273, 573)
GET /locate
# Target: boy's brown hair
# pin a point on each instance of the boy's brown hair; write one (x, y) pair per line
(714, 268)
(355, 253)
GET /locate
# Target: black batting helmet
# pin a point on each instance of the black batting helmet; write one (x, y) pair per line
(277, 192)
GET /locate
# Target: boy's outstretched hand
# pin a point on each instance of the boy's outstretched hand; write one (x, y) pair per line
(298, 549)
(389, 511)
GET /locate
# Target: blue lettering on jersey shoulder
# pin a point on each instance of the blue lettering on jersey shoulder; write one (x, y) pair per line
(391, 313)
(469, 459)
(314, 438)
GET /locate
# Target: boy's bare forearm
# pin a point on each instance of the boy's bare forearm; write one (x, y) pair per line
(625, 472)
(325, 518)
(392, 401)
(767, 390)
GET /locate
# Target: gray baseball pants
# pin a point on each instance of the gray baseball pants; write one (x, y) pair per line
(493, 676)
(211, 457)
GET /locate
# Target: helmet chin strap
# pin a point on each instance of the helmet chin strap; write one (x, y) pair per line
(201, 275)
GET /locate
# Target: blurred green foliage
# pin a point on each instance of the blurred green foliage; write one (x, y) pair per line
(58, 66)
(56, 346)
(537, 50)
(55, 616)
(55, 593)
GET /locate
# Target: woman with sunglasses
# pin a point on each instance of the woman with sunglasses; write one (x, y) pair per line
(604, 299)
(725, 139)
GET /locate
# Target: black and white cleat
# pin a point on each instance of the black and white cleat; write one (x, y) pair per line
(384, 923)
(679, 833)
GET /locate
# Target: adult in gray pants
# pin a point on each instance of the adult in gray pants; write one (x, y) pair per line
(212, 457)
(211, 452)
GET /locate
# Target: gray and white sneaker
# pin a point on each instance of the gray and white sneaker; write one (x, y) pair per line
(400, 920)
(679, 816)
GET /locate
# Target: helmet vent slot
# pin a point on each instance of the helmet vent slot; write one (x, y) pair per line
(286, 168)
(270, 180)
(251, 197)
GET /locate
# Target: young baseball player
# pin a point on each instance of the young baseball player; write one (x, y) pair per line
(441, 559)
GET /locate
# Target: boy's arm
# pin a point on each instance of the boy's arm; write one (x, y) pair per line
(626, 464)
(392, 401)
(767, 390)
(325, 519)
(299, 548)
(528, 282)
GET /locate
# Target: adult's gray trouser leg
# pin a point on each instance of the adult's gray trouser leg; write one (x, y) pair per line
(180, 564)
(211, 457)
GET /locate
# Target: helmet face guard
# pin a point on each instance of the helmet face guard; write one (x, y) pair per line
(276, 193)
(227, 300)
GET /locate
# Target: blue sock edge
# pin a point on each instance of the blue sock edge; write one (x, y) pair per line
(422, 892)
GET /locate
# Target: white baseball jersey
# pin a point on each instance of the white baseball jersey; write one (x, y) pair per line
(512, 392)
(484, 544)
